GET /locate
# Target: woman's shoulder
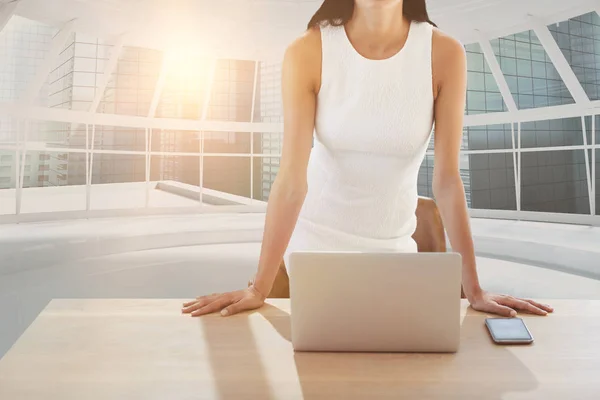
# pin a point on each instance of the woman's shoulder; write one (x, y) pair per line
(445, 48)
(449, 60)
(302, 61)
(307, 45)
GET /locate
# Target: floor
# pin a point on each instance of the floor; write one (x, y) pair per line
(177, 257)
(579, 237)
(569, 248)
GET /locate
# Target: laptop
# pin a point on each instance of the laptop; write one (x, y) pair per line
(375, 302)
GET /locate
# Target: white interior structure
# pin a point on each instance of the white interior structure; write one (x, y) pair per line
(213, 30)
(157, 237)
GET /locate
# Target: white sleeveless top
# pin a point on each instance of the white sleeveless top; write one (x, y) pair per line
(373, 124)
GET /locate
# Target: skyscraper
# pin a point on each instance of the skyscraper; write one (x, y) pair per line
(73, 84)
(23, 46)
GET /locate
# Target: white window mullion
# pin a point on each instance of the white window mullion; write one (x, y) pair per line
(560, 62)
(594, 165)
(158, 89)
(519, 169)
(492, 62)
(256, 68)
(515, 165)
(211, 79)
(587, 162)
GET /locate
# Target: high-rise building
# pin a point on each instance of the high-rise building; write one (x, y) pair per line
(73, 84)
(270, 111)
(185, 96)
(550, 180)
(23, 46)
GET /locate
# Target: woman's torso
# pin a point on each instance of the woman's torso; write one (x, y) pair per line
(373, 125)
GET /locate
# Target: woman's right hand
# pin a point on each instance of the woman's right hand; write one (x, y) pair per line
(227, 303)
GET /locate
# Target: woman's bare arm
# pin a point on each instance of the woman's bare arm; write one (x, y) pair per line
(450, 85)
(300, 85)
(451, 88)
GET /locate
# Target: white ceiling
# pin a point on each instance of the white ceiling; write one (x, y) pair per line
(261, 29)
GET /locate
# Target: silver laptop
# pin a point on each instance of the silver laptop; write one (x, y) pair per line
(375, 302)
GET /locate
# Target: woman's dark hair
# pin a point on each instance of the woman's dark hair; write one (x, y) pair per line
(338, 12)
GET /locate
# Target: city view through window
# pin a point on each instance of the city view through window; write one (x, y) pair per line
(546, 165)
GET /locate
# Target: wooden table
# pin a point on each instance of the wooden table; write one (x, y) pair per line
(145, 349)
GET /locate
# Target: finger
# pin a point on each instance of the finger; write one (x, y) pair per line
(189, 303)
(215, 306)
(199, 304)
(519, 304)
(236, 308)
(193, 307)
(544, 307)
(500, 309)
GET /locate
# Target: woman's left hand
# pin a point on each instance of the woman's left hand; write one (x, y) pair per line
(507, 306)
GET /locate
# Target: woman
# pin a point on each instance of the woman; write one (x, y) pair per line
(369, 77)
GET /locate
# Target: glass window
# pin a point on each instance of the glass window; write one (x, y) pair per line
(23, 47)
(523, 50)
(508, 66)
(507, 48)
(525, 85)
(488, 137)
(494, 102)
(538, 69)
(554, 181)
(524, 68)
(557, 89)
(597, 166)
(490, 83)
(479, 84)
(522, 37)
(530, 61)
(540, 101)
(7, 173)
(512, 84)
(526, 101)
(475, 61)
(476, 80)
(538, 53)
(575, 28)
(578, 41)
(557, 132)
(475, 101)
(492, 184)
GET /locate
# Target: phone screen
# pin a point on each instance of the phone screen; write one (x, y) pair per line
(508, 330)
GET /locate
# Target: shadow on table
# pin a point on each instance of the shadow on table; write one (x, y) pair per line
(480, 370)
(237, 368)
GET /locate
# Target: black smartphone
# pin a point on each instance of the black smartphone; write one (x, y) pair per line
(508, 331)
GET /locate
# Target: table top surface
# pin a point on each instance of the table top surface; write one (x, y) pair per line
(145, 349)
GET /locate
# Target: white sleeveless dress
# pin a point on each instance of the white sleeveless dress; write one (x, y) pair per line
(373, 124)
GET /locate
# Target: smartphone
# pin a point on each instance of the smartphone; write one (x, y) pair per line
(508, 331)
